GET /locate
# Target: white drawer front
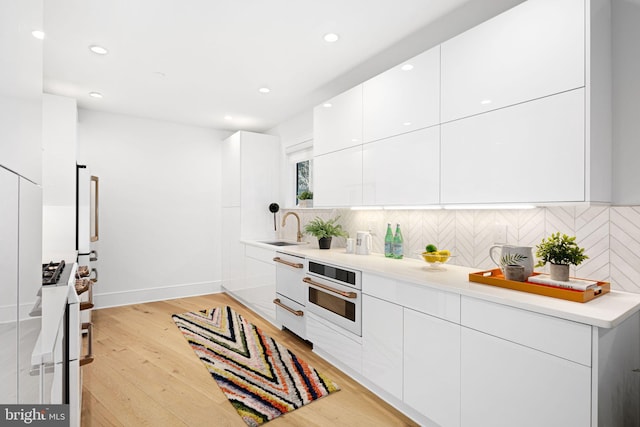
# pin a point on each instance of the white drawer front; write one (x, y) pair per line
(445, 305)
(289, 278)
(335, 344)
(264, 255)
(562, 338)
(296, 324)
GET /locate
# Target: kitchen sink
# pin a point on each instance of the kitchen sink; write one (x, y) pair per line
(283, 243)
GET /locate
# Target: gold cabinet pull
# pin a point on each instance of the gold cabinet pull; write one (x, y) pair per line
(330, 289)
(290, 264)
(298, 313)
(88, 358)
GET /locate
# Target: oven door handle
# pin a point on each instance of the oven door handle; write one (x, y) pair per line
(289, 263)
(351, 295)
(298, 313)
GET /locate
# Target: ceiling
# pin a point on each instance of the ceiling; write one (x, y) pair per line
(201, 62)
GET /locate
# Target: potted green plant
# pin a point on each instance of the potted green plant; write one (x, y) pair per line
(324, 230)
(560, 251)
(305, 199)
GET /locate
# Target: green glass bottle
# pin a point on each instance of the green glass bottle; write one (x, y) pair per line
(398, 243)
(388, 242)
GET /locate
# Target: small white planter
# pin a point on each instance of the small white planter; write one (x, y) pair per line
(308, 203)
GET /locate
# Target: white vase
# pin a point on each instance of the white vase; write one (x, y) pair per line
(559, 272)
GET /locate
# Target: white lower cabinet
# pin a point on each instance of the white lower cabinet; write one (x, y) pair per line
(333, 344)
(382, 324)
(507, 384)
(432, 367)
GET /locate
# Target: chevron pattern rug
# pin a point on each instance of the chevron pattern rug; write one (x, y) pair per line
(261, 378)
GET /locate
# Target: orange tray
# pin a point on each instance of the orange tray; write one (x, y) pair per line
(496, 278)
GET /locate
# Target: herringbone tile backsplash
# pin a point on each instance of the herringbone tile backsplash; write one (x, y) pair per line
(610, 235)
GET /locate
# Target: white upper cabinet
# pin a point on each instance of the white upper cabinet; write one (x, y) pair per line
(532, 50)
(532, 152)
(402, 170)
(21, 88)
(404, 98)
(231, 171)
(337, 123)
(337, 178)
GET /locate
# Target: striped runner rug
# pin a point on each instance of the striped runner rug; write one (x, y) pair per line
(261, 378)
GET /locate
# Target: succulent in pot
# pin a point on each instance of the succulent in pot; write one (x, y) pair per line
(325, 230)
(305, 199)
(560, 251)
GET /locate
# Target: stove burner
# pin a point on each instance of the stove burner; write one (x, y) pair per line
(51, 272)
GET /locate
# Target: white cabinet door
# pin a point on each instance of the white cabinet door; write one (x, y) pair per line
(432, 367)
(404, 98)
(29, 282)
(402, 170)
(533, 50)
(506, 384)
(21, 88)
(337, 178)
(337, 123)
(382, 344)
(8, 286)
(334, 343)
(531, 152)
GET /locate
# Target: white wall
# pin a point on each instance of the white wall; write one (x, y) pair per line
(160, 206)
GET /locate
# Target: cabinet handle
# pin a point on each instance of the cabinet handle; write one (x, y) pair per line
(95, 255)
(298, 313)
(290, 264)
(86, 305)
(330, 289)
(88, 358)
(95, 279)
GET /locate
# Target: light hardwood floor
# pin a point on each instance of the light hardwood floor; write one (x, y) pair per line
(145, 373)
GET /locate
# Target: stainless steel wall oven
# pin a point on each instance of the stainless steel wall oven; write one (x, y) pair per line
(334, 293)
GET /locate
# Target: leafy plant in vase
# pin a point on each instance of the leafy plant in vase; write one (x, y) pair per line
(305, 199)
(325, 230)
(560, 251)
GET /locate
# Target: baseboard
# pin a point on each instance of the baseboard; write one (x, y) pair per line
(139, 296)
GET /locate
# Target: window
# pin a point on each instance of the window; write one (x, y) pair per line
(299, 172)
(303, 177)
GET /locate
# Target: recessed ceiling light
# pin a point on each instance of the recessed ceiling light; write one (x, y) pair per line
(159, 74)
(406, 124)
(228, 118)
(485, 101)
(331, 37)
(407, 67)
(327, 105)
(264, 90)
(95, 95)
(39, 34)
(98, 49)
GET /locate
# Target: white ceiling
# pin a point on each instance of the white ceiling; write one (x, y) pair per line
(197, 61)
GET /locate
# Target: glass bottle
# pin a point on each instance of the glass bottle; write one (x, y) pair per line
(388, 242)
(398, 243)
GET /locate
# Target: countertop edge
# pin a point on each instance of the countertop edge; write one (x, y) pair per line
(602, 312)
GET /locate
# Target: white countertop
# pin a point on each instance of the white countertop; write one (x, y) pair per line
(606, 311)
